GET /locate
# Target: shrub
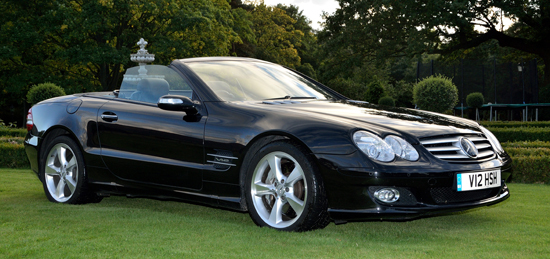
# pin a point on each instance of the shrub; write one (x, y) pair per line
(401, 92)
(435, 93)
(375, 91)
(44, 91)
(387, 101)
(348, 88)
(475, 100)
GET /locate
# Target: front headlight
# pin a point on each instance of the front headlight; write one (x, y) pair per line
(402, 148)
(385, 149)
(494, 141)
(373, 146)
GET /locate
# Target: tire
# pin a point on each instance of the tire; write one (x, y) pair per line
(289, 198)
(63, 173)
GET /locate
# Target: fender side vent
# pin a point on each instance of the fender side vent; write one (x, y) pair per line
(222, 160)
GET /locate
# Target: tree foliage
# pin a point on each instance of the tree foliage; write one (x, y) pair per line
(348, 88)
(85, 45)
(377, 29)
(375, 90)
(276, 37)
(402, 93)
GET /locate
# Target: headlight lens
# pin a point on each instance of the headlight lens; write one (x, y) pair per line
(373, 146)
(402, 148)
(494, 141)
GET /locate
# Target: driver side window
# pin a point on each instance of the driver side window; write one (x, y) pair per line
(150, 85)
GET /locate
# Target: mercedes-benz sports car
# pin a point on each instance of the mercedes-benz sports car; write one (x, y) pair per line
(249, 135)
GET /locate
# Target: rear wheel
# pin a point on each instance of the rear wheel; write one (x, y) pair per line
(283, 189)
(63, 173)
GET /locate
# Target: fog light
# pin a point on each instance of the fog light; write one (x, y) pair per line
(387, 195)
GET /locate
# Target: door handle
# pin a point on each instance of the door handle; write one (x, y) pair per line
(109, 117)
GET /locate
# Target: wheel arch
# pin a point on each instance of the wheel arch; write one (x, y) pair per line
(51, 134)
(257, 143)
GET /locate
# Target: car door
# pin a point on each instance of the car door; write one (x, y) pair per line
(141, 142)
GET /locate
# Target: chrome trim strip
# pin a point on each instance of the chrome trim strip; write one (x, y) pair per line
(457, 156)
(150, 159)
(448, 148)
(476, 138)
(485, 153)
(439, 141)
(482, 146)
(220, 163)
(228, 157)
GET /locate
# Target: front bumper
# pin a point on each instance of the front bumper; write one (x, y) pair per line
(382, 212)
(426, 189)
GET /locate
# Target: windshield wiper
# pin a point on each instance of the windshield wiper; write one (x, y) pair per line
(288, 97)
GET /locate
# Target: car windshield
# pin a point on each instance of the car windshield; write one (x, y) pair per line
(252, 81)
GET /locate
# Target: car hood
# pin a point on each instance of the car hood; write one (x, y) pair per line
(413, 122)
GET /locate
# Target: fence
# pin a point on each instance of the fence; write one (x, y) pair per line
(507, 83)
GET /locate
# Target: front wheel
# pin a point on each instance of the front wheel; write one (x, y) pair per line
(63, 173)
(283, 189)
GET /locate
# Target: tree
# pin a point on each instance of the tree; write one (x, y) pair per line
(98, 36)
(307, 47)
(389, 28)
(85, 45)
(276, 37)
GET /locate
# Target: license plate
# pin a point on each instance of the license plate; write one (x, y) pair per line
(478, 180)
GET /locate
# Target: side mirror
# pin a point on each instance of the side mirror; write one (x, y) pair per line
(177, 103)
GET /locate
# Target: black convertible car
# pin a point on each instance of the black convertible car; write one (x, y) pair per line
(249, 135)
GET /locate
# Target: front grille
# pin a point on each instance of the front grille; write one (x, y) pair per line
(448, 148)
(446, 195)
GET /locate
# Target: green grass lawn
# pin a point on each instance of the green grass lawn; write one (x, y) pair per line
(31, 226)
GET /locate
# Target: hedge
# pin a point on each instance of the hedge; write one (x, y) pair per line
(531, 159)
(531, 169)
(13, 132)
(521, 134)
(12, 155)
(522, 152)
(525, 144)
(515, 124)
